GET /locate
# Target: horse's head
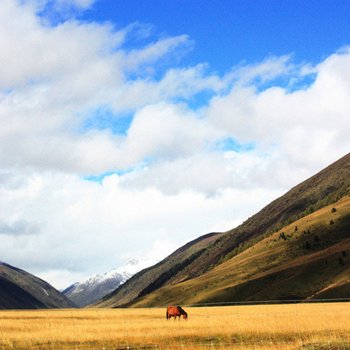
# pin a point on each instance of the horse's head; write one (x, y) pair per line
(184, 315)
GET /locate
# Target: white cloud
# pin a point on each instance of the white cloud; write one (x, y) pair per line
(51, 77)
(166, 131)
(154, 51)
(33, 52)
(262, 72)
(205, 172)
(82, 4)
(306, 126)
(177, 83)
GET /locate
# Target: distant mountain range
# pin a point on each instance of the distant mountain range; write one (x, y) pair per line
(297, 247)
(97, 286)
(22, 290)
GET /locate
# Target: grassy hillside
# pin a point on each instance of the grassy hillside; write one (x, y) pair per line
(309, 258)
(322, 189)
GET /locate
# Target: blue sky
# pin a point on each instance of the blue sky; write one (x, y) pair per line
(228, 32)
(130, 127)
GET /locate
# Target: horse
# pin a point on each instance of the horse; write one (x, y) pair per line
(175, 311)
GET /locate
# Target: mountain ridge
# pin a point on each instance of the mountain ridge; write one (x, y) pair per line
(21, 290)
(312, 262)
(97, 286)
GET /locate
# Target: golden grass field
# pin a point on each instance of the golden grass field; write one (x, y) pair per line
(295, 326)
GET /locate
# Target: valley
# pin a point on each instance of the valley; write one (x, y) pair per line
(295, 326)
(296, 248)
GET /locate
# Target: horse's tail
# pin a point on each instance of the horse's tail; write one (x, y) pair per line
(167, 315)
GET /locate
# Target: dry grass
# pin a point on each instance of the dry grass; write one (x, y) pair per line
(298, 326)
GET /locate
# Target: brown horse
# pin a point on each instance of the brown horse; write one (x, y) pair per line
(175, 311)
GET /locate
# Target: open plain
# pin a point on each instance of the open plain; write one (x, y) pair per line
(316, 326)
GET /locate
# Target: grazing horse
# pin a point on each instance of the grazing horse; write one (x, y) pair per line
(175, 311)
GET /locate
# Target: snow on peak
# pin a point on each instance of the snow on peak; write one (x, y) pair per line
(96, 286)
(133, 266)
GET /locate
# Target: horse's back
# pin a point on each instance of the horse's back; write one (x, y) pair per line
(173, 310)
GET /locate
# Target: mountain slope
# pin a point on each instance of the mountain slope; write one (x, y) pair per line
(97, 286)
(162, 273)
(21, 290)
(93, 289)
(324, 188)
(309, 259)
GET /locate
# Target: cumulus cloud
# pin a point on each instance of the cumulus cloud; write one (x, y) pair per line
(209, 173)
(52, 77)
(33, 52)
(305, 126)
(83, 4)
(166, 131)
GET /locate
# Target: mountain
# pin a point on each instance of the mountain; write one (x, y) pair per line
(97, 286)
(217, 253)
(22, 290)
(308, 259)
(154, 277)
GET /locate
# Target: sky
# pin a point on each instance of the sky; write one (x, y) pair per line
(129, 128)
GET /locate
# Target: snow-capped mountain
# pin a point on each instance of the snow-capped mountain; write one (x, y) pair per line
(97, 286)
